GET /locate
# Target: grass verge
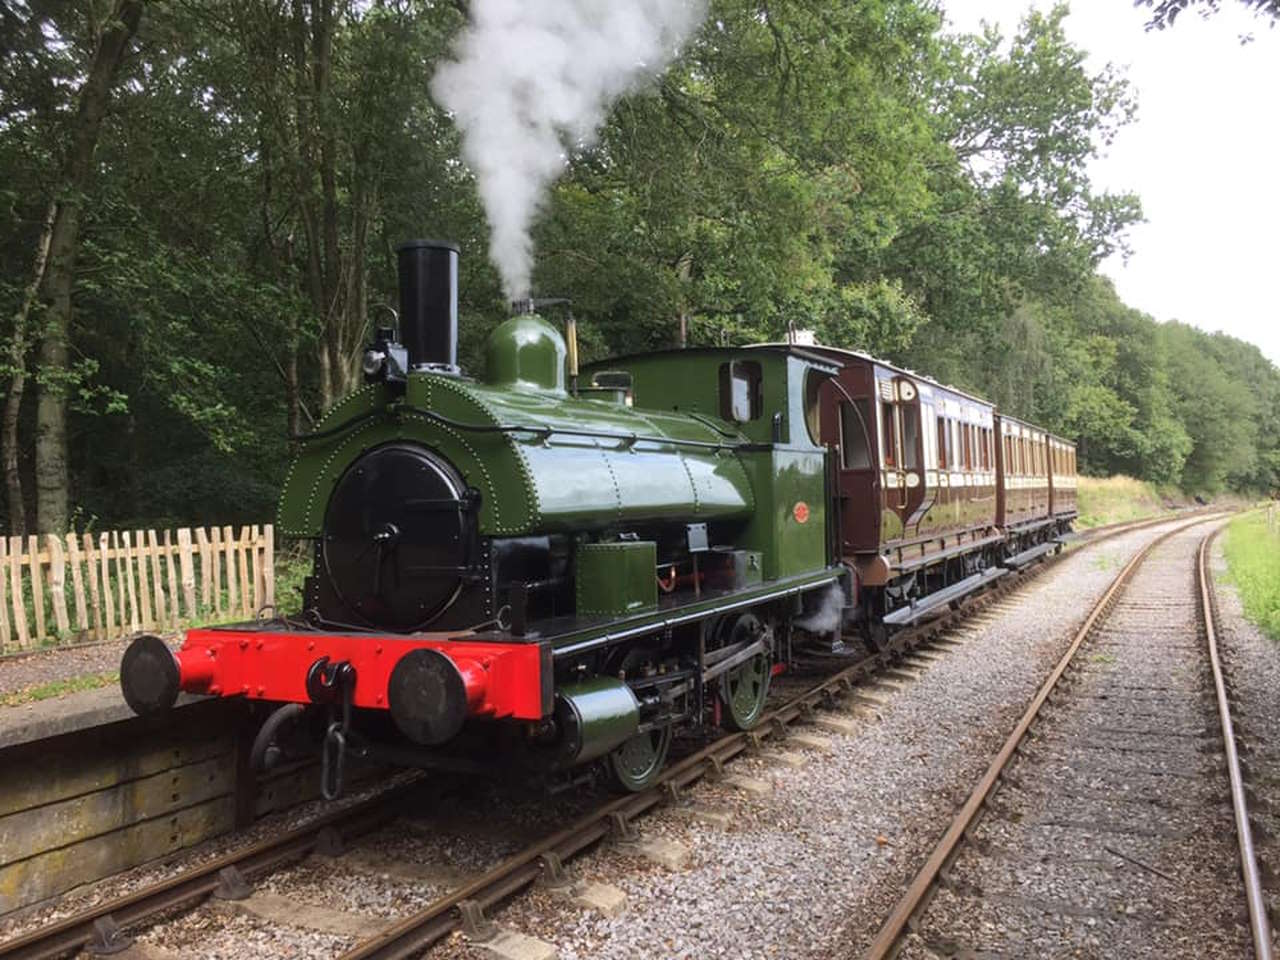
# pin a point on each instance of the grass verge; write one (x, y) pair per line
(58, 688)
(1118, 499)
(1252, 548)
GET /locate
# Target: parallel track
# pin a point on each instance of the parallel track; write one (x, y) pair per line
(413, 934)
(911, 907)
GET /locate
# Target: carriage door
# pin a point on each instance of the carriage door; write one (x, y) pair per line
(892, 475)
(901, 447)
(859, 480)
(911, 425)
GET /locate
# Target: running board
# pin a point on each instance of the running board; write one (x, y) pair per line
(1019, 560)
(906, 616)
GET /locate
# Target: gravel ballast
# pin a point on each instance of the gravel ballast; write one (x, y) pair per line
(1112, 833)
(812, 868)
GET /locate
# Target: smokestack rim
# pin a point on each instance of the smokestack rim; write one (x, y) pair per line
(425, 244)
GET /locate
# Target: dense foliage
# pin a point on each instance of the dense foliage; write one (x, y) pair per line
(849, 168)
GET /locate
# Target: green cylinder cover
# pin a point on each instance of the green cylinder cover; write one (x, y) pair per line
(595, 716)
(526, 352)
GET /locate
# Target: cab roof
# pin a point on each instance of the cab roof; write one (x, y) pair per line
(808, 354)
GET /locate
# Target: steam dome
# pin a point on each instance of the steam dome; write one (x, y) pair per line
(526, 352)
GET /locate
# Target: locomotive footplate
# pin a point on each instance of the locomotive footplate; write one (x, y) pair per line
(430, 683)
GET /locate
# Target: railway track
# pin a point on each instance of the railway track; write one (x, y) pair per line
(103, 926)
(1251, 674)
(1114, 819)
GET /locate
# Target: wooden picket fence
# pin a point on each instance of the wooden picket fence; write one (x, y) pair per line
(123, 582)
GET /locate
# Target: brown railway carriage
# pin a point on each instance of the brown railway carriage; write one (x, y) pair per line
(1037, 496)
(1062, 480)
(922, 453)
(1023, 500)
(937, 492)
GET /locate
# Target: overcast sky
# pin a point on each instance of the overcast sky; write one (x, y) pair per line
(1202, 155)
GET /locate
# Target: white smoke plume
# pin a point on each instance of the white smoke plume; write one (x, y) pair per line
(826, 617)
(529, 77)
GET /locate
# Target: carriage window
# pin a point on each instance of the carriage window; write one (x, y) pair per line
(986, 448)
(966, 434)
(740, 391)
(888, 436)
(942, 443)
(855, 431)
(911, 437)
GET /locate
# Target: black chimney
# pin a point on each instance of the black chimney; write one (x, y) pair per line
(429, 302)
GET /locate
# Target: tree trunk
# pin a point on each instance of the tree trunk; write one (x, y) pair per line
(52, 482)
(289, 369)
(350, 332)
(331, 363)
(9, 445)
(684, 270)
(303, 90)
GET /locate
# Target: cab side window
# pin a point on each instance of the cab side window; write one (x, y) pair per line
(740, 399)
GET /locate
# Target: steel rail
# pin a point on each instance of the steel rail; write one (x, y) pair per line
(419, 931)
(147, 903)
(1259, 924)
(888, 939)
